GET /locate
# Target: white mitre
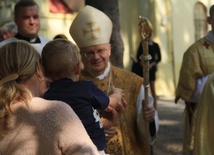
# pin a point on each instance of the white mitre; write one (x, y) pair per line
(91, 27)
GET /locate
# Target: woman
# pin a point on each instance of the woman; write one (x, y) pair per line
(28, 123)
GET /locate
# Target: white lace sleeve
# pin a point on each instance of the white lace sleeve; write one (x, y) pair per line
(200, 85)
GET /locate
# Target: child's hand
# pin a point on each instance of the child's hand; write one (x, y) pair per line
(109, 117)
(117, 100)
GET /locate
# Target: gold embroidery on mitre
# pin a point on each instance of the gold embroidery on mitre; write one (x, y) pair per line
(91, 30)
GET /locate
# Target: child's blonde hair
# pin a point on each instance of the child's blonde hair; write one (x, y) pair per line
(60, 58)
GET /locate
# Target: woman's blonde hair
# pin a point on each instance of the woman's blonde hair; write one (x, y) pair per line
(18, 61)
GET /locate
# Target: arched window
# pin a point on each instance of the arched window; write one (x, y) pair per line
(200, 19)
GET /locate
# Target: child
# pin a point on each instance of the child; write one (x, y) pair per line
(62, 65)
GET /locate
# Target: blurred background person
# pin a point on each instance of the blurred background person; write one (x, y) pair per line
(1, 34)
(8, 30)
(137, 67)
(27, 19)
(197, 65)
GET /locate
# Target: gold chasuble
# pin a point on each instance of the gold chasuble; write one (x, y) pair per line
(198, 61)
(127, 140)
(204, 131)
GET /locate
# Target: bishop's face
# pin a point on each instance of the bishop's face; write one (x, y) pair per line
(95, 58)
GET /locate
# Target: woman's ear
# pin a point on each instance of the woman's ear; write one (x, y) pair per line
(40, 71)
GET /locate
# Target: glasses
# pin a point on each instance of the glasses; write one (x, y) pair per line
(90, 54)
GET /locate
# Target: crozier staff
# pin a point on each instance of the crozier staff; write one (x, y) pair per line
(145, 29)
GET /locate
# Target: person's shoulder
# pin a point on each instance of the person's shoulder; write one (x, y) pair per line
(124, 74)
(51, 114)
(155, 43)
(197, 43)
(40, 104)
(87, 86)
(85, 83)
(196, 46)
(44, 40)
(120, 70)
(7, 41)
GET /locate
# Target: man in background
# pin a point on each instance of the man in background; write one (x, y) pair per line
(196, 66)
(7, 31)
(26, 17)
(154, 51)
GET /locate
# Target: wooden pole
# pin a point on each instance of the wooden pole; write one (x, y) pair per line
(145, 30)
